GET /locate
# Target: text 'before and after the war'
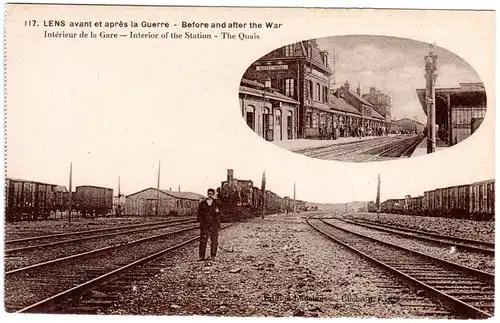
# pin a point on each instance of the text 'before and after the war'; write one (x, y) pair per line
(146, 29)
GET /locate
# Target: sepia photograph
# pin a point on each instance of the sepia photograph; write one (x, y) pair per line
(140, 185)
(362, 98)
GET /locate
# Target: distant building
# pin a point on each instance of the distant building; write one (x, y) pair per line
(459, 111)
(301, 72)
(381, 102)
(267, 112)
(145, 202)
(410, 126)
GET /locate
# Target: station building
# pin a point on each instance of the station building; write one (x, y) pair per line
(267, 112)
(301, 72)
(370, 120)
(145, 202)
(380, 102)
(459, 111)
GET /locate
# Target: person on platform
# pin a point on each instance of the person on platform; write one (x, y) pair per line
(208, 216)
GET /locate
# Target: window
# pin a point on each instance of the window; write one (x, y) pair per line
(318, 92)
(289, 50)
(315, 117)
(310, 89)
(309, 121)
(325, 94)
(290, 87)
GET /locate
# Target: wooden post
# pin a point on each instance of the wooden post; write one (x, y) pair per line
(69, 194)
(263, 189)
(294, 197)
(158, 190)
(377, 201)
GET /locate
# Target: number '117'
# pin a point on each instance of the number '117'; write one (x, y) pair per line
(30, 23)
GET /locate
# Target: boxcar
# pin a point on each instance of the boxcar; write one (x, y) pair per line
(414, 206)
(93, 200)
(482, 200)
(28, 199)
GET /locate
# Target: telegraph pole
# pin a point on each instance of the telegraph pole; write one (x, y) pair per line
(69, 194)
(294, 210)
(158, 190)
(118, 207)
(263, 189)
(430, 99)
(377, 201)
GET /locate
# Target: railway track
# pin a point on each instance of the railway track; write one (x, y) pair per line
(32, 256)
(42, 286)
(352, 148)
(446, 240)
(401, 149)
(465, 292)
(366, 150)
(42, 241)
(333, 150)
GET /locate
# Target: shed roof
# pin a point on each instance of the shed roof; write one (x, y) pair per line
(178, 195)
(60, 188)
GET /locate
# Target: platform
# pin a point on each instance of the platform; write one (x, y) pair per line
(422, 148)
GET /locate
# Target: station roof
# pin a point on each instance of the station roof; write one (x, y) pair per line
(377, 115)
(474, 90)
(253, 87)
(340, 105)
(356, 96)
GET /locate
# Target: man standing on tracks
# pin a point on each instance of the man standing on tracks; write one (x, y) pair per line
(208, 216)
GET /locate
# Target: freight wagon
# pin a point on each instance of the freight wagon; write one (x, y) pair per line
(93, 200)
(474, 201)
(28, 199)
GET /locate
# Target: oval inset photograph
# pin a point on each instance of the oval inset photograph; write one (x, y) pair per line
(362, 98)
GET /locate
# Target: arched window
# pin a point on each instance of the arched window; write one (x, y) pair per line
(289, 124)
(279, 123)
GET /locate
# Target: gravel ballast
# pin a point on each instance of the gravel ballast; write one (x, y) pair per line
(476, 230)
(465, 258)
(278, 266)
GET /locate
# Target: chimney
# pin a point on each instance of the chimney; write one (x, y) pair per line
(372, 90)
(229, 175)
(358, 90)
(346, 85)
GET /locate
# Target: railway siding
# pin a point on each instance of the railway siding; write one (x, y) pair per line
(465, 258)
(277, 266)
(469, 229)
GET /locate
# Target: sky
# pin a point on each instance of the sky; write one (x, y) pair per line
(394, 66)
(117, 107)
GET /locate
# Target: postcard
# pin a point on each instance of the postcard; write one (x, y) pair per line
(249, 162)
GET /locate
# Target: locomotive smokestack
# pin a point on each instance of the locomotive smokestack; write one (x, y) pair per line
(229, 175)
